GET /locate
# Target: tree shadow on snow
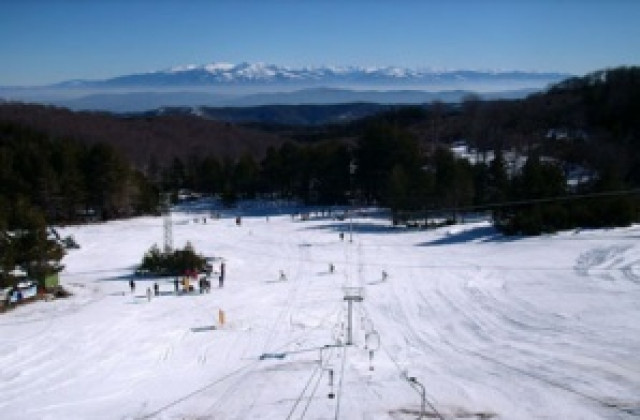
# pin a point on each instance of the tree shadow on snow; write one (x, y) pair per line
(358, 228)
(125, 274)
(459, 235)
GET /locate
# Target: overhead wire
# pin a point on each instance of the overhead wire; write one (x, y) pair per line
(211, 384)
(304, 390)
(313, 394)
(340, 383)
(292, 292)
(199, 390)
(317, 374)
(528, 201)
(400, 370)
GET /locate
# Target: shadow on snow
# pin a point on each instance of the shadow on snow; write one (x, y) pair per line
(474, 234)
(358, 228)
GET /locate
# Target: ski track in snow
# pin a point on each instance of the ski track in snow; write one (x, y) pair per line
(530, 328)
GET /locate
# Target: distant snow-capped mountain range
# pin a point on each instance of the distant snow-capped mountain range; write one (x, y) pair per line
(216, 74)
(247, 84)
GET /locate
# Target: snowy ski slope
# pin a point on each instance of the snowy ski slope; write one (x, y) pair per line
(533, 328)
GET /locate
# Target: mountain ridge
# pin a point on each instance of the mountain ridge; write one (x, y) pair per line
(255, 84)
(216, 74)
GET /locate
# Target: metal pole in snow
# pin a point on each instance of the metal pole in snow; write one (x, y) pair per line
(331, 393)
(350, 298)
(420, 388)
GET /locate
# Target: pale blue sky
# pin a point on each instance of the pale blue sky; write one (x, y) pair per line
(46, 41)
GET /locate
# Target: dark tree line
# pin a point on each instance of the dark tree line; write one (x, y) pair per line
(46, 181)
(68, 180)
(316, 173)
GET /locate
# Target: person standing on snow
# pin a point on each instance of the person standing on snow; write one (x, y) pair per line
(132, 285)
(221, 278)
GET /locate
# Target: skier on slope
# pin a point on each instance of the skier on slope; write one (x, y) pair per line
(221, 278)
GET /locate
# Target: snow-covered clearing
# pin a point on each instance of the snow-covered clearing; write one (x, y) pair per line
(535, 328)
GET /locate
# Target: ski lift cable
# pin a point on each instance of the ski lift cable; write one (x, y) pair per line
(340, 382)
(313, 393)
(282, 355)
(347, 258)
(317, 369)
(427, 398)
(401, 372)
(317, 373)
(360, 266)
(241, 369)
(200, 390)
(336, 309)
(515, 203)
(291, 297)
(235, 385)
(318, 326)
(236, 372)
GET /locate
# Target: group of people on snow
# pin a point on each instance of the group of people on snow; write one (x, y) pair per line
(204, 284)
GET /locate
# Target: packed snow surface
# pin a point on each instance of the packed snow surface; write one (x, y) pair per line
(491, 327)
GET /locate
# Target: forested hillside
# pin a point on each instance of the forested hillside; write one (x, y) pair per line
(143, 138)
(521, 158)
(46, 181)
